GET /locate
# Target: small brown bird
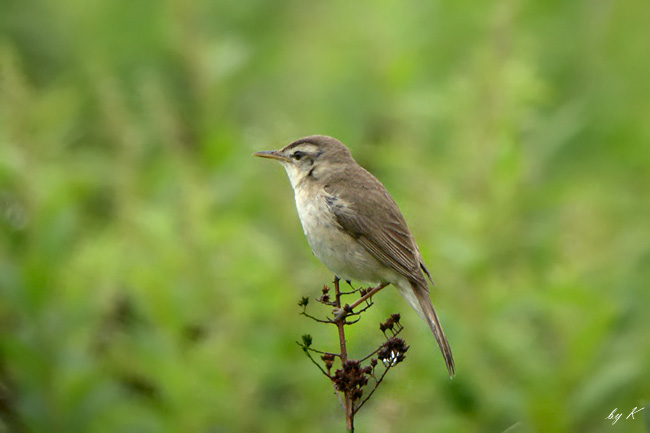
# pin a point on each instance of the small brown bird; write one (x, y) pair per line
(354, 226)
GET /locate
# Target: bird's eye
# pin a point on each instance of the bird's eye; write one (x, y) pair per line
(297, 155)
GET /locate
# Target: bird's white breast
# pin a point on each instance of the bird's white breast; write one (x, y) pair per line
(337, 250)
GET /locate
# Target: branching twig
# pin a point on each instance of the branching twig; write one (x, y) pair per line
(306, 350)
(377, 382)
(316, 319)
(364, 309)
(350, 379)
(320, 351)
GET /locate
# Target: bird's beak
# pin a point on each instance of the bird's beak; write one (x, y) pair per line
(272, 154)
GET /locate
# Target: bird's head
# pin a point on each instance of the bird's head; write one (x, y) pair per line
(310, 157)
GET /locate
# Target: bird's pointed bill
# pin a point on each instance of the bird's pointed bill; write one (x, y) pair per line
(272, 154)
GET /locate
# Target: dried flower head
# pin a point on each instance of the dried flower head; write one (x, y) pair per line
(392, 352)
(328, 359)
(387, 325)
(350, 379)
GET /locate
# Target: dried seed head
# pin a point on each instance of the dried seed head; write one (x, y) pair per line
(392, 352)
(350, 379)
(328, 359)
(388, 324)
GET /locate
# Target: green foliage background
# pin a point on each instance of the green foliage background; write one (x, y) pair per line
(150, 268)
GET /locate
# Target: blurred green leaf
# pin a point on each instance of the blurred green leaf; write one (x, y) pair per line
(149, 266)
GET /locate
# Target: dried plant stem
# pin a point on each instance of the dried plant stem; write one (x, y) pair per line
(348, 404)
(377, 382)
(367, 296)
(350, 379)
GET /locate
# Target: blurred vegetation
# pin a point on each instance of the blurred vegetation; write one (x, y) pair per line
(150, 268)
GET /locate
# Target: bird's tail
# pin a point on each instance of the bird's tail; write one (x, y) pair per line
(418, 297)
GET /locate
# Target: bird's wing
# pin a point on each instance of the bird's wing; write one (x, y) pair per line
(378, 225)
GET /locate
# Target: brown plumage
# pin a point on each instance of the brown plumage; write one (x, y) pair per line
(387, 239)
(354, 226)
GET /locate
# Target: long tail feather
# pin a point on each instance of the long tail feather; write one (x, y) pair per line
(431, 318)
(417, 296)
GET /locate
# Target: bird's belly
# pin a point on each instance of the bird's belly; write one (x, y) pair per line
(337, 250)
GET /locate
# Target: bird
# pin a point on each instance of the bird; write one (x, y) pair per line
(354, 227)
